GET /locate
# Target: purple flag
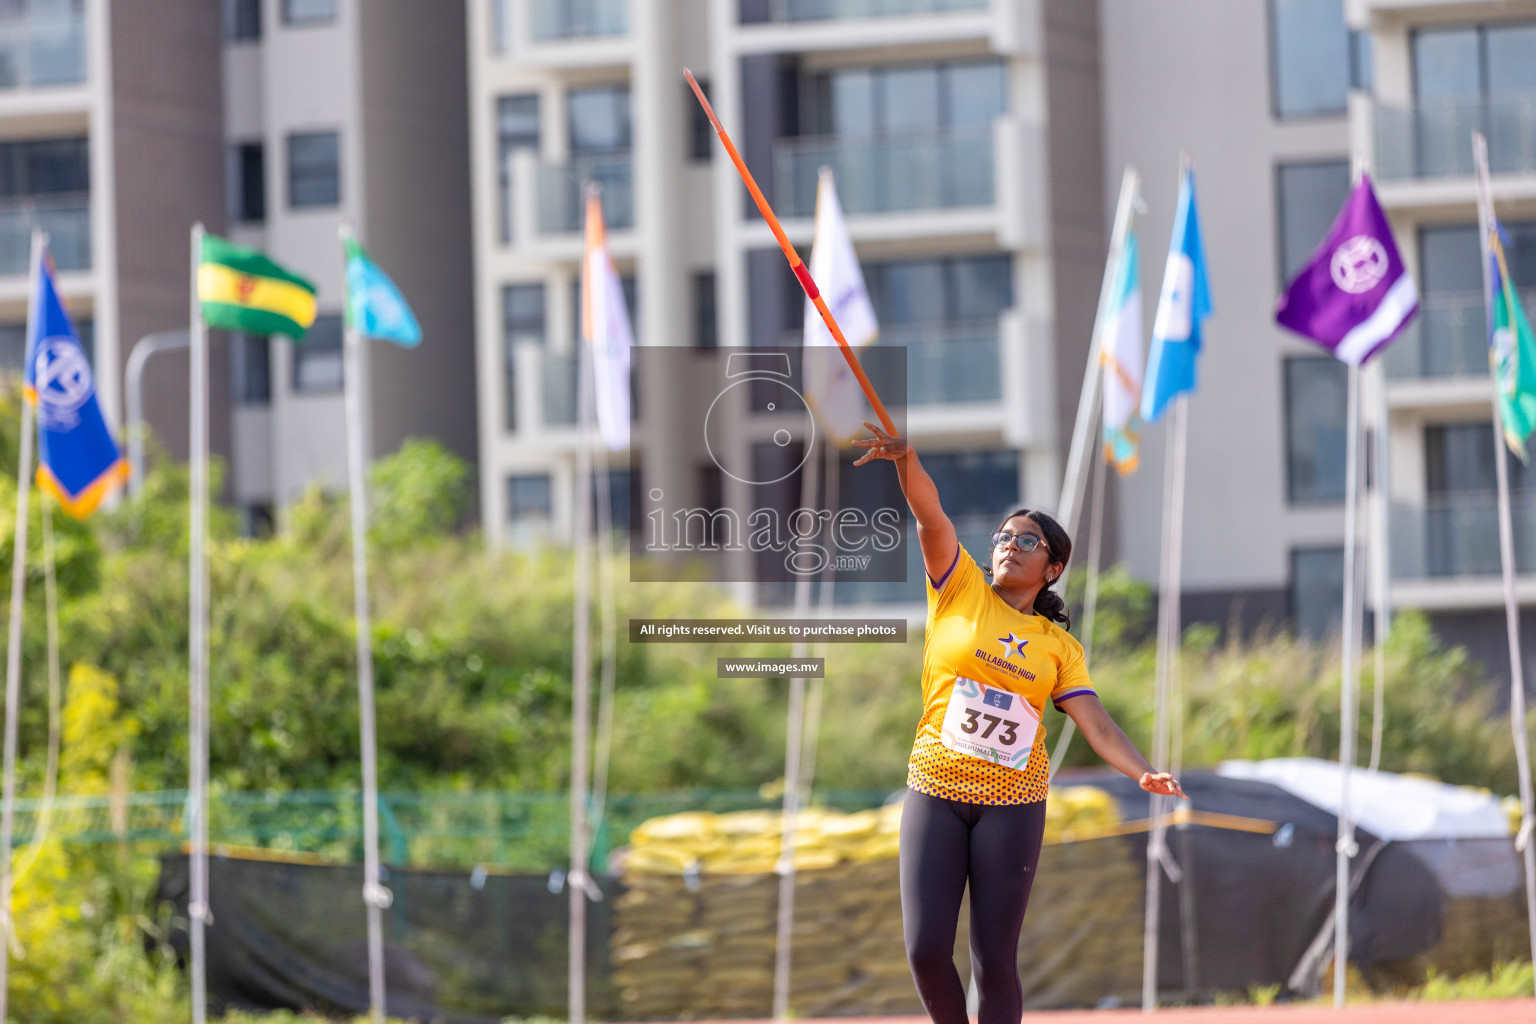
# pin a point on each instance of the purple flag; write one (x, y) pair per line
(1354, 295)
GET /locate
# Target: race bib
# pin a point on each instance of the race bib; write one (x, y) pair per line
(992, 724)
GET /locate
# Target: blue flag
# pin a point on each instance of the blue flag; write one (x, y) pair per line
(374, 305)
(1185, 301)
(78, 460)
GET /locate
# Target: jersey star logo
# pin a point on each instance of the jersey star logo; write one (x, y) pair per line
(1012, 643)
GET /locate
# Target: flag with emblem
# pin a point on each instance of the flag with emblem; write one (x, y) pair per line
(1185, 301)
(78, 460)
(1511, 351)
(242, 290)
(831, 390)
(1123, 363)
(1354, 295)
(375, 307)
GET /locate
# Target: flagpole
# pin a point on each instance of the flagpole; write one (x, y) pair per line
(1381, 566)
(581, 679)
(1158, 858)
(809, 499)
(198, 913)
(1517, 711)
(13, 648)
(375, 896)
(1088, 397)
(1344, 847)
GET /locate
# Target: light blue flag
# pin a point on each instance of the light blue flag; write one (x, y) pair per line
(1185, 301)
(375, 306)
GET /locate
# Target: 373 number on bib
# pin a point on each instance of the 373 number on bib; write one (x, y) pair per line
(990, 723)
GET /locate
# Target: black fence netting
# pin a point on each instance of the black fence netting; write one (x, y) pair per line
(460, 947)
(1252, 908)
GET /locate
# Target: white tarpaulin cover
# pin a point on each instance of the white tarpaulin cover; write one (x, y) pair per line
(1390, 807)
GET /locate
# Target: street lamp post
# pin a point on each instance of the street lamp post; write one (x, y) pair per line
(160, 341)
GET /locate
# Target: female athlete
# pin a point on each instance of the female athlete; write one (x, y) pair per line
(993, 653)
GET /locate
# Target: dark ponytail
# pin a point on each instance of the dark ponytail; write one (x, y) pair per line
(1048, 603)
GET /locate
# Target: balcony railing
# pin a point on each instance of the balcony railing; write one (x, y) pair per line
(1459, 537)
(1434, 140)
(576, 19)
(1449, 338)
(827, 10)
(922, 172)
(43, 48)
(950, 364)
(67, 219)
(562, 199)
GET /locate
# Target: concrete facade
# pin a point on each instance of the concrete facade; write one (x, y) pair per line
(1040, 211)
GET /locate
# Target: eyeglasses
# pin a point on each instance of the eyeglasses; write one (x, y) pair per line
(1026, 542)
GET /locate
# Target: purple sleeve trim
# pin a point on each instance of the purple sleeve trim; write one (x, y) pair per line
(938, 584)
(1056, 700)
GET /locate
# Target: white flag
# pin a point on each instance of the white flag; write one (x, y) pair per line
(1123, 363)
(831, 389)
(605, 326)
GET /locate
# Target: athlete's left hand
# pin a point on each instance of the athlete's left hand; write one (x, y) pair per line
(1163, 784)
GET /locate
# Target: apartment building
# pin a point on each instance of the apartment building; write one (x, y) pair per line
(1443, 70)
(108, 138)
(347, 113)
(964, 138)
(275, 122)
(1276, 102)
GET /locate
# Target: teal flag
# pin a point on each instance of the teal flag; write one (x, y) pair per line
(1512, 354)
(375, 306)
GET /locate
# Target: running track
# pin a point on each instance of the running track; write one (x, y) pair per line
(1507, 1011)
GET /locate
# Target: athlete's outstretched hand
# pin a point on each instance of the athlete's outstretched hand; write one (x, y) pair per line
(1163, 784)
(881, 446)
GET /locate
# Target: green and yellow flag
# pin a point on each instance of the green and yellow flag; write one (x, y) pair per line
(1512, 353)
(242, 290)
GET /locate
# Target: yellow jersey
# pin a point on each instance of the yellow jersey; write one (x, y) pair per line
(969, 745)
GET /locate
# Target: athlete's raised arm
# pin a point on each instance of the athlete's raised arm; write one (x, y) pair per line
(935, 533)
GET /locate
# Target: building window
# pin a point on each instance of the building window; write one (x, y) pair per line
(1471, 63)
(251, 368)
(929, 292)
(309, 12)
(47, 181)
(314, 169)
(1317, 590)
(906, 99)
(1311, 58)
(621, 483)
(528, 500)
(1316, 392)
(517, 127)
(242, 21)
(256, 520)
(318, 359)
(599, 119)
(974, 483)
(248, 184)
(706, 328)
(1458, 461)
(1307, 198)
(13, 347)
(701, 134)
(522, 323)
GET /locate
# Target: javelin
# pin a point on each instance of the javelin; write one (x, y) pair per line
(802, 274)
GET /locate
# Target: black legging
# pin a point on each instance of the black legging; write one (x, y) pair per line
(944, 843)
